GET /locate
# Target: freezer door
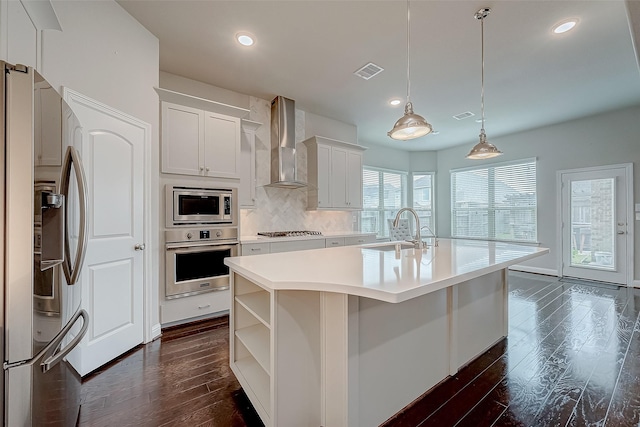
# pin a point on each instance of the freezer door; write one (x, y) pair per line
(45, 391)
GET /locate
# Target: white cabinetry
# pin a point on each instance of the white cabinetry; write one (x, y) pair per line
(198, 142)
(251, 353)
(254, 248)
(334, 242)
(258, 248)
(334, 170)
(194, 307)
(247, 189)
(359, 240)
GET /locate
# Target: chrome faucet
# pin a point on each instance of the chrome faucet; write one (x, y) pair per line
(435, 238)
(418, 243)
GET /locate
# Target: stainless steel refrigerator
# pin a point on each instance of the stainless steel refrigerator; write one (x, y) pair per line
(44, 214)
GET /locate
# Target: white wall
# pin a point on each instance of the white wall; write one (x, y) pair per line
(606, 139)
(330, 128)
(387, 158)
(423, 161)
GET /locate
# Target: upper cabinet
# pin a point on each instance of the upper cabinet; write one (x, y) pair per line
(247, 189)
(334, 170)
(198, 142)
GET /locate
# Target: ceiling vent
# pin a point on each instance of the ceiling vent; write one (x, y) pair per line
(369, 71)
(464, 115)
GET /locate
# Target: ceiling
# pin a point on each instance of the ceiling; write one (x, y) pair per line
(308, 51)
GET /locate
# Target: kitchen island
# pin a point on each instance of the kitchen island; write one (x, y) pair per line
(349, 336)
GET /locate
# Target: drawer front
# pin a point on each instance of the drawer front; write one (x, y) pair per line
(360, 240)
(254, 248)
(193, 307)
(334, 242)
(296, 245)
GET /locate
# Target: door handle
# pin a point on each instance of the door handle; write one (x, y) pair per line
(72, 158)
(621, 232)
(51, 354)
(139, 247)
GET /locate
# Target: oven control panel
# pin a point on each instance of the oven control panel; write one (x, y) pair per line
(206, 234)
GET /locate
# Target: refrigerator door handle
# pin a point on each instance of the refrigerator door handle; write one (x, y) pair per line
(51, 358)
(71, 272)
(48, 353)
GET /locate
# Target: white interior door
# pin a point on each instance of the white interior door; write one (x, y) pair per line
(113, 274)
(596, 226)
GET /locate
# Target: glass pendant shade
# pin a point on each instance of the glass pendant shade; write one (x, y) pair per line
(483, 149)
(410, 125)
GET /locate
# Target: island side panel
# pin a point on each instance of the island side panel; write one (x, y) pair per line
(403, 352)
(297, 359)
(481, 318)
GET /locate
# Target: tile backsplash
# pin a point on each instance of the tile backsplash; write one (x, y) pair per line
(280, 209)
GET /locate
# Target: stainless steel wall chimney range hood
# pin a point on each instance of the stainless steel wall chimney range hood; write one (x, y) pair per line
(283, 144)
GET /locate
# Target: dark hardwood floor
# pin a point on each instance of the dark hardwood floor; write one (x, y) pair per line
(572, 358)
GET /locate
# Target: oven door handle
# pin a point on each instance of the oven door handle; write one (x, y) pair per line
(198, 246)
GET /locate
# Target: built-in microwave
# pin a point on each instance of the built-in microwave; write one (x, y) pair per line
(196, 205)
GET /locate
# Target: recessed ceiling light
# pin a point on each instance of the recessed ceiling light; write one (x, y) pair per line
(245, 39)
(395, 102)
(565, 26)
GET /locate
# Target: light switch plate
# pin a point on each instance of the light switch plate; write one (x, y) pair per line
(637, 207)
(637, 216)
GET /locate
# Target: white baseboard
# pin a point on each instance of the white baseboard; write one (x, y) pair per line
(636, 284)
(536, 270)
(156, 330)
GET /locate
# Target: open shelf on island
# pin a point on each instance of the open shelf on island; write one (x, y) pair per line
(258, 382)
(258, 304)
(256, 339)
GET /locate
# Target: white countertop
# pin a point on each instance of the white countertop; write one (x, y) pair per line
(324, 235)
(391, 275)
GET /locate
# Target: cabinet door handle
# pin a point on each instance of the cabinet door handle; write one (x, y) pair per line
(207, 169)
(256, 249)
(202, 307)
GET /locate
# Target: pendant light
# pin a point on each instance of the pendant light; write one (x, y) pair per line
(411, 125)
(483, 149)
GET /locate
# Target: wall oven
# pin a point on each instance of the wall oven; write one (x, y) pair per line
(187, 206)
(195, 260)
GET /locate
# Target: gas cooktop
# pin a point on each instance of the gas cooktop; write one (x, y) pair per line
(289, 233)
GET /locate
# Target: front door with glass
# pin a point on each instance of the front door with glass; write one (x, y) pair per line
(596, 223)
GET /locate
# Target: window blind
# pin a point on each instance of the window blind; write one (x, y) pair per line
(496, 202)
(384, 192)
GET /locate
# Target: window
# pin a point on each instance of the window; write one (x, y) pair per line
(497, 202)
(383, 194)
(423, 200)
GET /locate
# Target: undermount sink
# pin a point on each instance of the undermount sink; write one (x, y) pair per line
(390, 246)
